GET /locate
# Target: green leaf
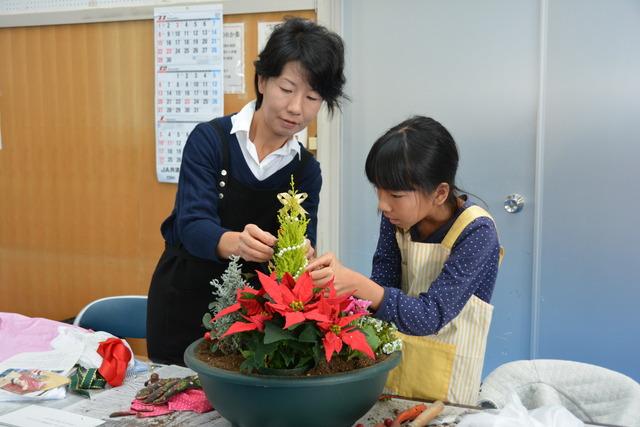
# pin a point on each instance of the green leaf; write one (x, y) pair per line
(274, 362)
(206, 321)
(260, 355)
(306, 360)
(297, 326)
(354, 354)
(287, 358)
(299, 346)
(309, 334)
(371, 336)
(252, 339)
(273, 334)
(264, 352)
(249, 295)
(318, 354)
(247, 366)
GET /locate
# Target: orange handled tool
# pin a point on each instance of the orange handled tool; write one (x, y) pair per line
(428, 415)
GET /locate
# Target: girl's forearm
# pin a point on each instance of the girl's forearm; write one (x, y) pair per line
(367, 289)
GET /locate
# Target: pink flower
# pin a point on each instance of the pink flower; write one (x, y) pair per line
(357, 306)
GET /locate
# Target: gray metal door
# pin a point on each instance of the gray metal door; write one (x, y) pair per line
(473, 66)
(589, 241)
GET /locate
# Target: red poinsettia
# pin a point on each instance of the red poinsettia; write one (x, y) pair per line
(254, 311)
(338, 331)
(290, 303)
(256, 322)
(247, 299)
(289, 323)
(296, 303)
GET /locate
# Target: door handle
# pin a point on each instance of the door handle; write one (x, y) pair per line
(514, 203)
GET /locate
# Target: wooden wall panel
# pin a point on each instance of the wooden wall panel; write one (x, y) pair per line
(80, 206)
(76, 166)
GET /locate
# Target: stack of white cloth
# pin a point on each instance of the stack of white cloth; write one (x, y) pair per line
(591, 393)
(513, 414)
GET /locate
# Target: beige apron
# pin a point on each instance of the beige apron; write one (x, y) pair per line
(447, 365)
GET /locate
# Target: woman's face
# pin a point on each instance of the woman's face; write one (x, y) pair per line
(288, 103)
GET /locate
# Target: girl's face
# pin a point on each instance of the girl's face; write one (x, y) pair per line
(405, 209)
(288, 103)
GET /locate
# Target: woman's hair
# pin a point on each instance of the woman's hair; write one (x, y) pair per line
(319, 51)
(417, 154)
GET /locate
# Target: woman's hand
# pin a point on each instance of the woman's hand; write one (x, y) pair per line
(255, 244)
(311, 252)
(251, 244)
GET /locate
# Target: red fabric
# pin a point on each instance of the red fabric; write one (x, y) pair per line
(189, 400)
(115, 358)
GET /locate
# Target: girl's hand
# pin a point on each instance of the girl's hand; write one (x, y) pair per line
(255, 244)
(323, 268)
(326, 267)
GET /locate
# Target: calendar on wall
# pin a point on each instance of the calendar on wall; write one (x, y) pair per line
(35, 6)
(189, 78)
(43, 6)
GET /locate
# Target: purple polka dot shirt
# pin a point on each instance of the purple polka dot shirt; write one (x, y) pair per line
(471, 269)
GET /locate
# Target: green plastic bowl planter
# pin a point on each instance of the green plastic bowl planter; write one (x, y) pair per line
(276, 401)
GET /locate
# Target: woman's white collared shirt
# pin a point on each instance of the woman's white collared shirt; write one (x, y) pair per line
(273, 162)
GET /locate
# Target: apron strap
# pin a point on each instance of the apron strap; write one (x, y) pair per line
(466, 217)
(305, 155)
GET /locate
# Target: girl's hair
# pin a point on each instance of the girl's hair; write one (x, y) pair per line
(319, 50)
(417, 154)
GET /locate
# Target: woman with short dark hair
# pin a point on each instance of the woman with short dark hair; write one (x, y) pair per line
(232, 169)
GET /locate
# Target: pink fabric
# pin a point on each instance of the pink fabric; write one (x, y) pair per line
(149, 410)
(190, 400)
(19, 334)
